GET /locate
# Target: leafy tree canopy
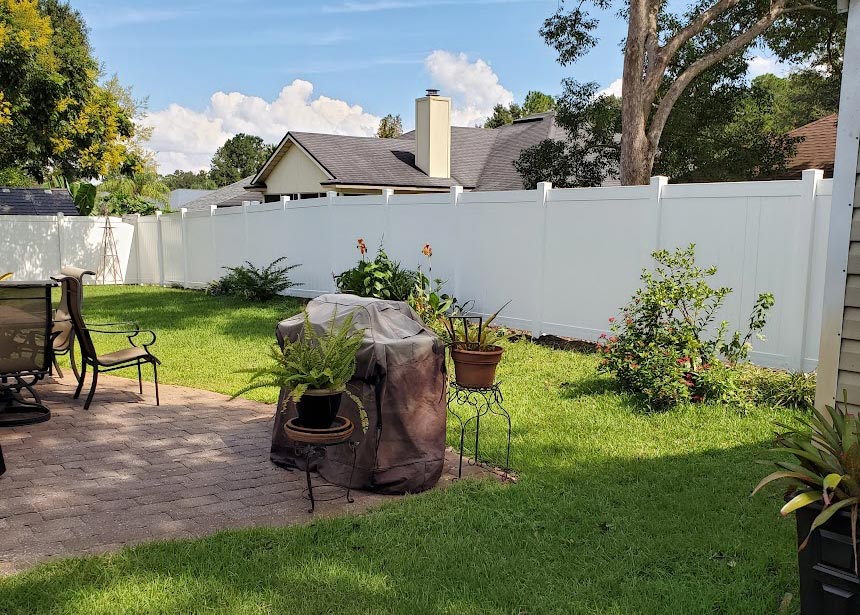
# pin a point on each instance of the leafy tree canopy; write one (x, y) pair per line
(390, 127)
(55, 117)
(239, 157)
(189, 179)
(671, 50)
(534, 102)
(139, 193)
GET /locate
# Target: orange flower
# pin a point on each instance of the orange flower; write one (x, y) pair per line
(427, 251)
(361, 247)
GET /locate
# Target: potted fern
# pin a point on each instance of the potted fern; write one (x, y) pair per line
(315, 370)
(475, 349)
(824, 494)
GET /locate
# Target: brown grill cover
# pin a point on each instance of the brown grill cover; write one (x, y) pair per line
(401, 381)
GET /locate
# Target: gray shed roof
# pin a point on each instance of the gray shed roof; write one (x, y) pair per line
(36, 202)
(481, 158)
(228, 196)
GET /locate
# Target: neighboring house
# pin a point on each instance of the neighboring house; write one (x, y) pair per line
(180, 197)
(432, 158)
(36, 202)
(816, 151)
(228, 196)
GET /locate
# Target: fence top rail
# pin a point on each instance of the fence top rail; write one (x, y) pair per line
(779, 188)
(601, 194)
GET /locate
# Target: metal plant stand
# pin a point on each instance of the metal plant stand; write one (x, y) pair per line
(315, 452)
(481, 402)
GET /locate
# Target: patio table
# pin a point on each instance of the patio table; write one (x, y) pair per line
(25, 351)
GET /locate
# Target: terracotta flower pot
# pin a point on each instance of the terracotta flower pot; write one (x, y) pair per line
(476, 368)
(317, 408)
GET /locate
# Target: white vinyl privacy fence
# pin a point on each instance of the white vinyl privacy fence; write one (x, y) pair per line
(567, 259)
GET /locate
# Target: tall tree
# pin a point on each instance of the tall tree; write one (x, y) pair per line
(54, 114)
(801, 97)
(534, 102)
(141, 192)
(665, 52)
(239, 157)
(390, 127)
(189, 179)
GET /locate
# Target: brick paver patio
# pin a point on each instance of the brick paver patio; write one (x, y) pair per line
(127, 471)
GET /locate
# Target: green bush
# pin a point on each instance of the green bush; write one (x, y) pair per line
(777, 388)
(253, 283)
(381, 278)
(665, 346)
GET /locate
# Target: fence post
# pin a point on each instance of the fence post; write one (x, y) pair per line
(214, 262)
(387, 194)
(456, 191)
(809, 190)
(657, 184)
(331, 247)
(61, 219)
(159, 248)
(182, 212)
(543, 189)
(135, 241)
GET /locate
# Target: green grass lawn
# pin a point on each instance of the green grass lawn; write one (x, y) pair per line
(615, 512)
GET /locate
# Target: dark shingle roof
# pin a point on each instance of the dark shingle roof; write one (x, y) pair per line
(818, 148)
(228, 196)
(36, 202)
(481, 159)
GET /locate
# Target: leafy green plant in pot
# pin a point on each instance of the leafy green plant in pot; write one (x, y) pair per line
(475, 349)
(315, 369)
(824, 494)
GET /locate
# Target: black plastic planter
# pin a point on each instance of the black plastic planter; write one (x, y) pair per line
(828, 583)
(318, 407)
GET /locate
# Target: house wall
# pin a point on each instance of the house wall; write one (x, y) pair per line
(295, 173)
(839, 358)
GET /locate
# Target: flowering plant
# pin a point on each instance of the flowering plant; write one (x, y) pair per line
(427, 298)
(381, 277)
(665, 345)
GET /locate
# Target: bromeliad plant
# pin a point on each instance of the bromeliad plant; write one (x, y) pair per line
(825, 469)
(314, 361)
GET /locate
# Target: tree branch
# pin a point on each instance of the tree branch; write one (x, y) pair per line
(661, 115)
(668, 51)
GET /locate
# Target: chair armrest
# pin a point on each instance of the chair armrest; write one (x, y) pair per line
(128, 333)
(128, 325)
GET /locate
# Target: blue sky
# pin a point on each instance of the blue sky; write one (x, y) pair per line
(374, 54)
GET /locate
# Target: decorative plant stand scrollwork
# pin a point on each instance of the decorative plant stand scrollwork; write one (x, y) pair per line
(481, 402)
(312, 444)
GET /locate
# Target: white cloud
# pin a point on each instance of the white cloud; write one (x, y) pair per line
(613, 89)
(186, 139)
(760, 65)
(473, 86)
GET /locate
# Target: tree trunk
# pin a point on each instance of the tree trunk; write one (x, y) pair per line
(636, 156)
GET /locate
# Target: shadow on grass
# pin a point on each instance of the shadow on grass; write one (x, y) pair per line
(633, 535)
(590, 385)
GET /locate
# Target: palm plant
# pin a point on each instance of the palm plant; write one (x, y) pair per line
(826, 467)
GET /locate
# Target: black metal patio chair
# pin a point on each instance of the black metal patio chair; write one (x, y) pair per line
(64, 340)
(135, 355)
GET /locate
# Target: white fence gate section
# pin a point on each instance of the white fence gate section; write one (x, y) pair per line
(567, 258)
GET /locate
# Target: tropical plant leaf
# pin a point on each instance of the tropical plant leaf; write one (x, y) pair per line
(799, 501)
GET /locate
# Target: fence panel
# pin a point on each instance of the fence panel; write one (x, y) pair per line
(567, 259)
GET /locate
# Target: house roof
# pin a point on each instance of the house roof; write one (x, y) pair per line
(228, 196)
(36, 202)
(818, 148)
(481, 159)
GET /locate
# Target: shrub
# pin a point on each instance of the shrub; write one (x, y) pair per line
(252, 283)
(779, 389)
(665, 346)
(381, 278)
